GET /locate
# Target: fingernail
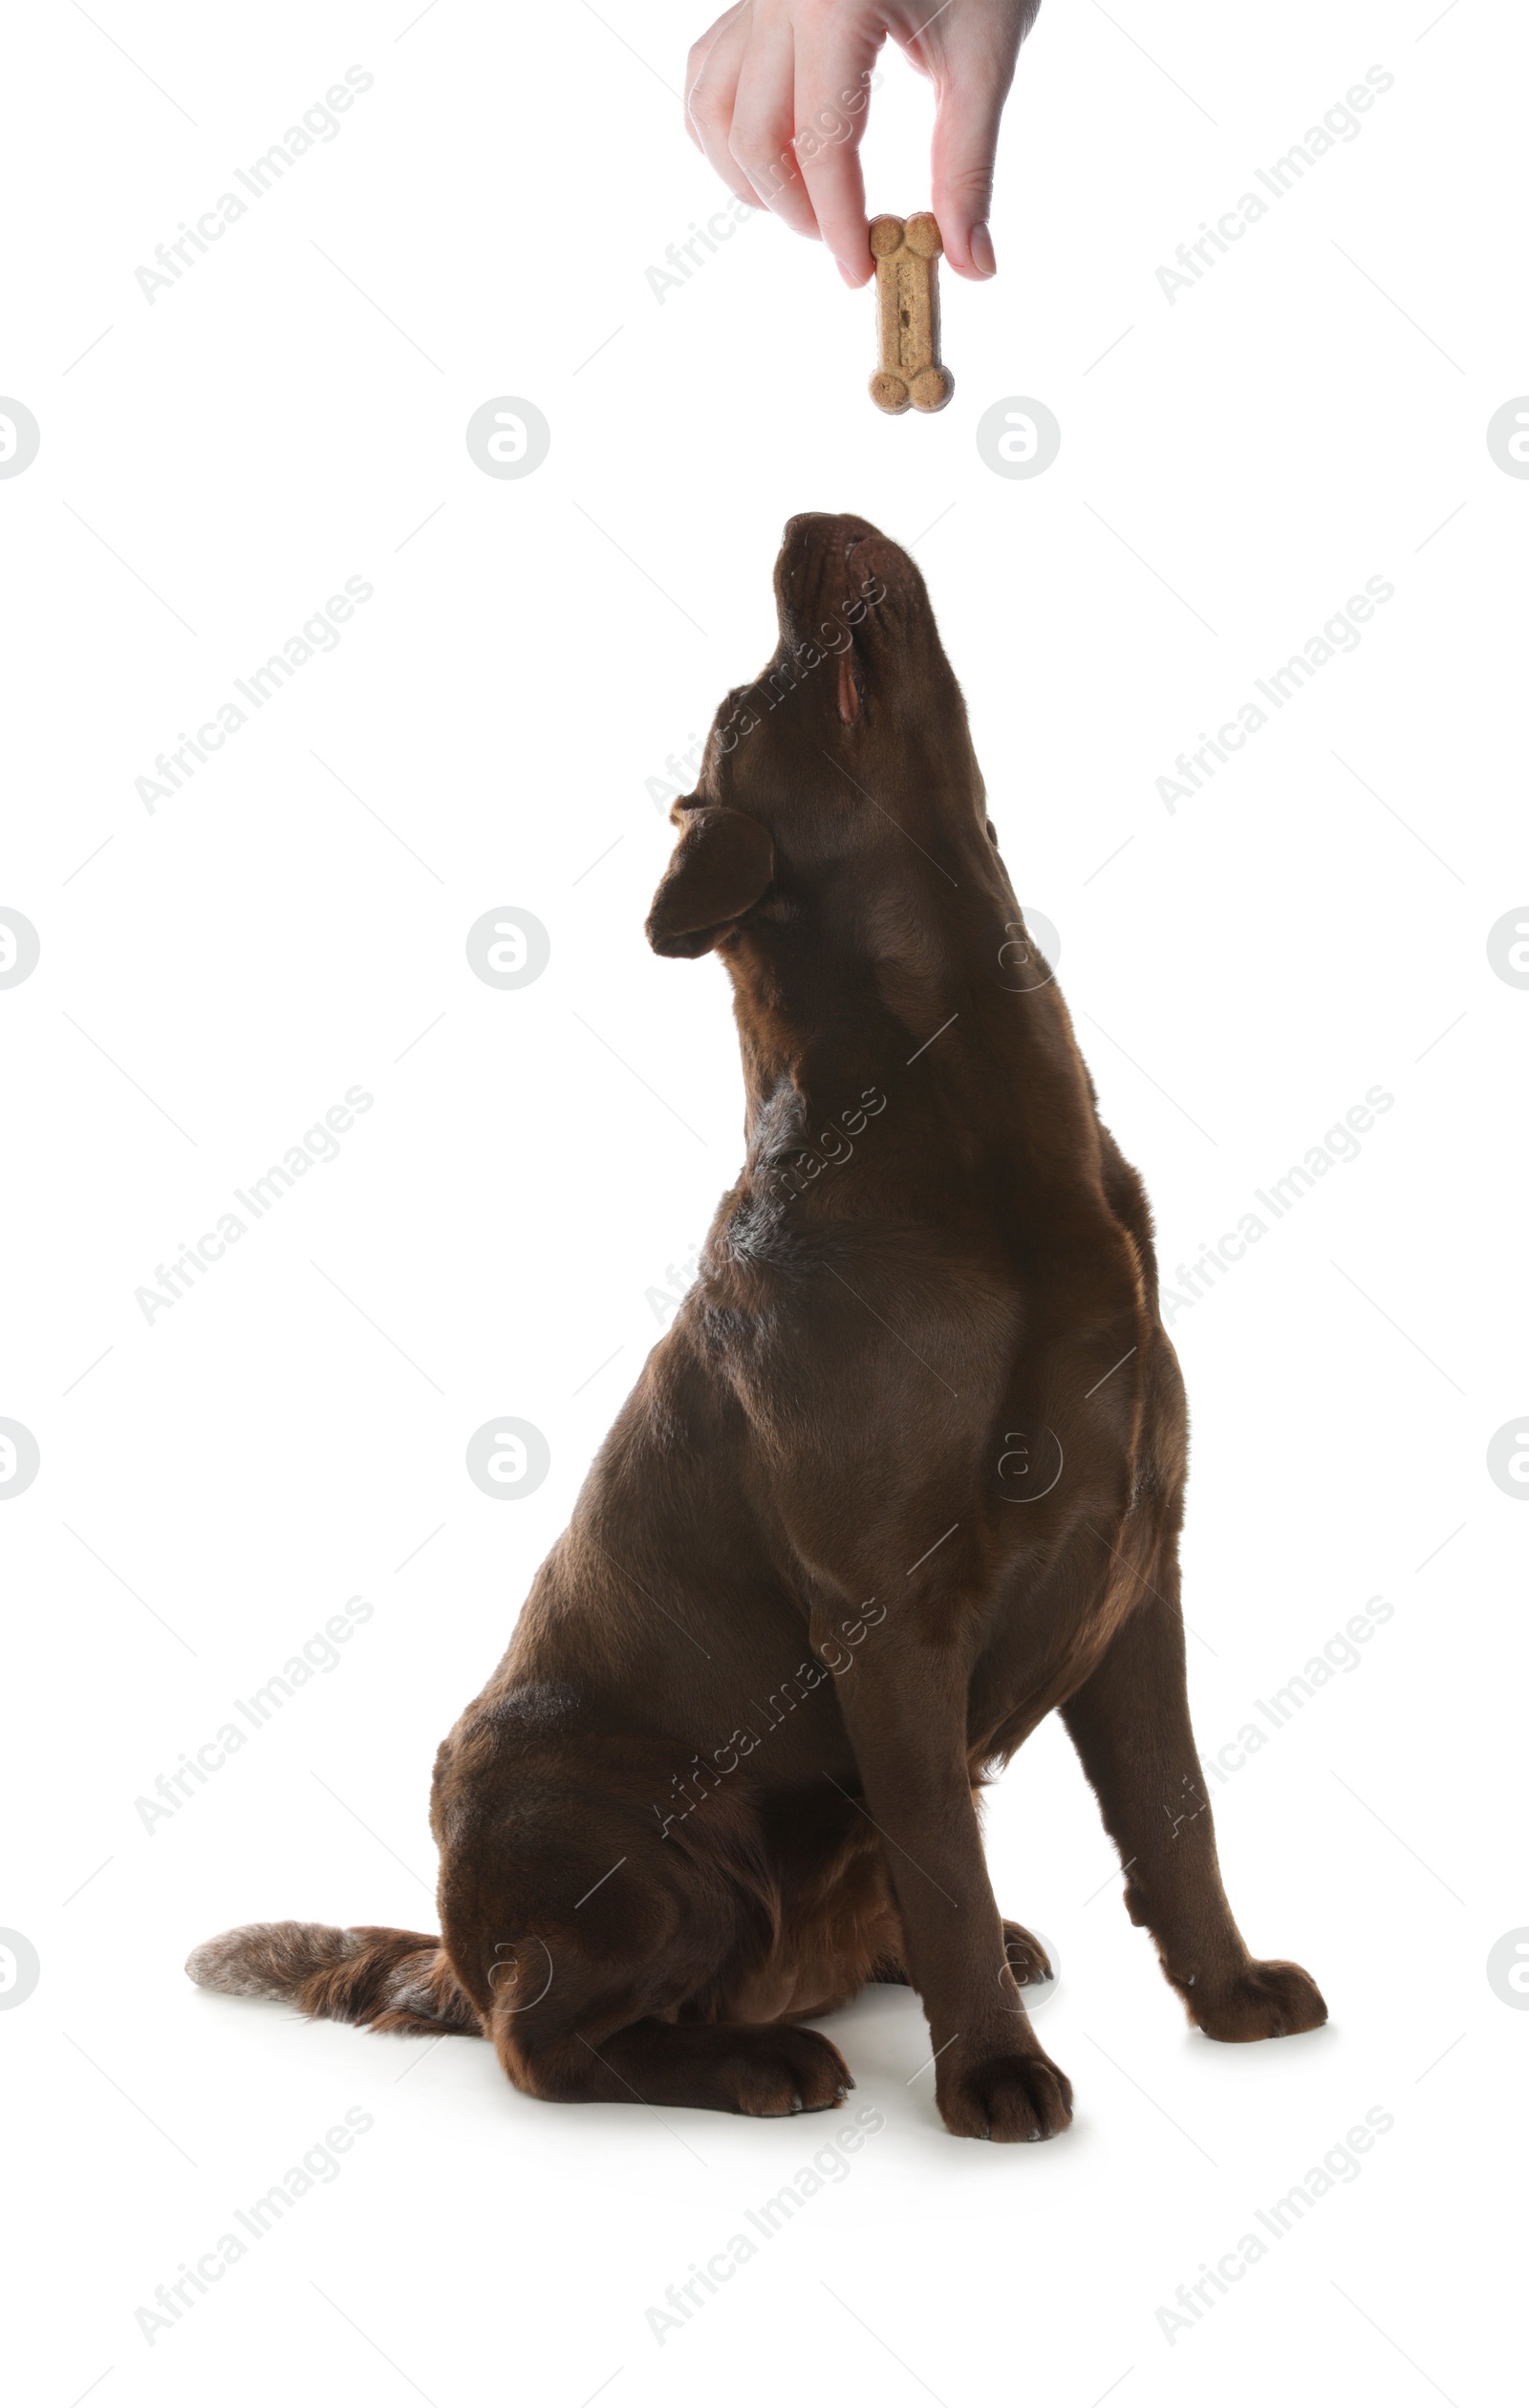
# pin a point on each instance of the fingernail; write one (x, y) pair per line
(980, 248)
(848, 275)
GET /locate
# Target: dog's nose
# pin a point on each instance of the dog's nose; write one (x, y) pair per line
(821, 547)
(813, 533)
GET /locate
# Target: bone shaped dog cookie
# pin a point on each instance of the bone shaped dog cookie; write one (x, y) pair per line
(906, 257)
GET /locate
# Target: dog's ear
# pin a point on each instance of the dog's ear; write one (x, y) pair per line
(721, 867)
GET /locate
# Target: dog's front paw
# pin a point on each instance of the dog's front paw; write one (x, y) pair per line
(1011, 2097)
(1268, 2000)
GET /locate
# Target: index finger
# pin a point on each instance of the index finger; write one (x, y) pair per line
(832, 95)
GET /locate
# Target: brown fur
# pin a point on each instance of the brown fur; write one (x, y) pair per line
(904, 1476)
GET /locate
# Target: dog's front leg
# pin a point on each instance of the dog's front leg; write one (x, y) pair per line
(906, 1717)
(1131, 1724)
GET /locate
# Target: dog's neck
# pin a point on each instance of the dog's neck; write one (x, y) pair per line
(965, 1065)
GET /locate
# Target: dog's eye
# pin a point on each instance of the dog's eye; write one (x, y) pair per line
(992, 833)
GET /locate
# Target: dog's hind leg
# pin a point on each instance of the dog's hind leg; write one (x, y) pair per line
(604, 1950)
(773, 2069)
(580, 2013)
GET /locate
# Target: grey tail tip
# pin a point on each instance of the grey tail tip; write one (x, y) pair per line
(392, 1980)
(269, 1960)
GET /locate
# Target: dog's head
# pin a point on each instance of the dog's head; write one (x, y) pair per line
(839, 810)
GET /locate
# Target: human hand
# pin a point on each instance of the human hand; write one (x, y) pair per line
(776, 96)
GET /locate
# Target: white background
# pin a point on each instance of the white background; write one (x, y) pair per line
(214, 1485)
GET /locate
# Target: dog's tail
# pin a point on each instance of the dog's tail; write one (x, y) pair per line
(395, 1981)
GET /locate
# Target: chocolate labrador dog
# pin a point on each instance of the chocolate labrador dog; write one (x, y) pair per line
(904, 1476)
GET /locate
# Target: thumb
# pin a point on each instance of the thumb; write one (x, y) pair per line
(972, 86)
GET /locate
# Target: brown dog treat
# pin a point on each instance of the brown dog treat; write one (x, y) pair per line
(910, 375)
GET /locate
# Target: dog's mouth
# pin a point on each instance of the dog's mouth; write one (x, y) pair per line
(859, 702)
(843, 588)
(862, 670)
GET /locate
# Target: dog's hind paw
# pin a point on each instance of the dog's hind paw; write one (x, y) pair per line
(782, 2070)
(1026, 1960)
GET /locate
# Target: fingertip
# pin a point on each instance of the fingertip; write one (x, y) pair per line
(971, 254)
